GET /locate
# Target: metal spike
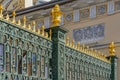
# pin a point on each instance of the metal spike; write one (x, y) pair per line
(1, 9)
(67, 40)
(19, 22)
(29, 27)
(34, 26)
(42, 28)
(24, 21)
(7, 17)
(14, 14)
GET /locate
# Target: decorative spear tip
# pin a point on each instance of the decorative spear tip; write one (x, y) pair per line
(14, 13)
(112, 49)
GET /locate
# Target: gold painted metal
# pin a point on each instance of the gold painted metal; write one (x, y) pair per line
(34, 26)
(67, 40)
(42, 28)
(78, 45)
(29, 27)
(38, 31)
(73, 42)
(24, 21)
(7, 17)
(19, 22)
(1, 9)
(46, 34)
(13, 14)
(83, 47)
(56, 15)
(87, 49)
(112, 49)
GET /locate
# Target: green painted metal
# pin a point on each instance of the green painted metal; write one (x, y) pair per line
(114, 66)
(27, 56)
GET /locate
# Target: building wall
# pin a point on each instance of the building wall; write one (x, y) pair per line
(13, 4)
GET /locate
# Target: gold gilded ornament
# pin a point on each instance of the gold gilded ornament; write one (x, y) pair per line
(56, 15)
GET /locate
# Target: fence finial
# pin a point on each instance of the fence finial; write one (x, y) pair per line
(34, 26)
(1, 9)
(24, 21)
(56, 15)
(112, 49)
(19, 22)
(42, 29)
(7, 17)
(13, 14)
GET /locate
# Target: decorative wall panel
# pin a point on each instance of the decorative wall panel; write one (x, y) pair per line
(89, 34)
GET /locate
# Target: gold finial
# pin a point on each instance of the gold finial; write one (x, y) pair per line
(91, 51)
(38, 31)
(1, 9)
(34, 26)
(42, 28)
(19, 22)
(46, 34)
(67, 40)
(13, 14)
(50, 33)
(29, 27)
(87, 48)
(56, 15)
(83, 47)
(24, 21)
(112, 49)
(73, 42)
(7, 17)
(78, 45)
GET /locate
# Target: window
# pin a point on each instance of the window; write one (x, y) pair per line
(92, 11)
(117, 5)
(89, 34)
(76, 15)
(1, 57)
(111, 7)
